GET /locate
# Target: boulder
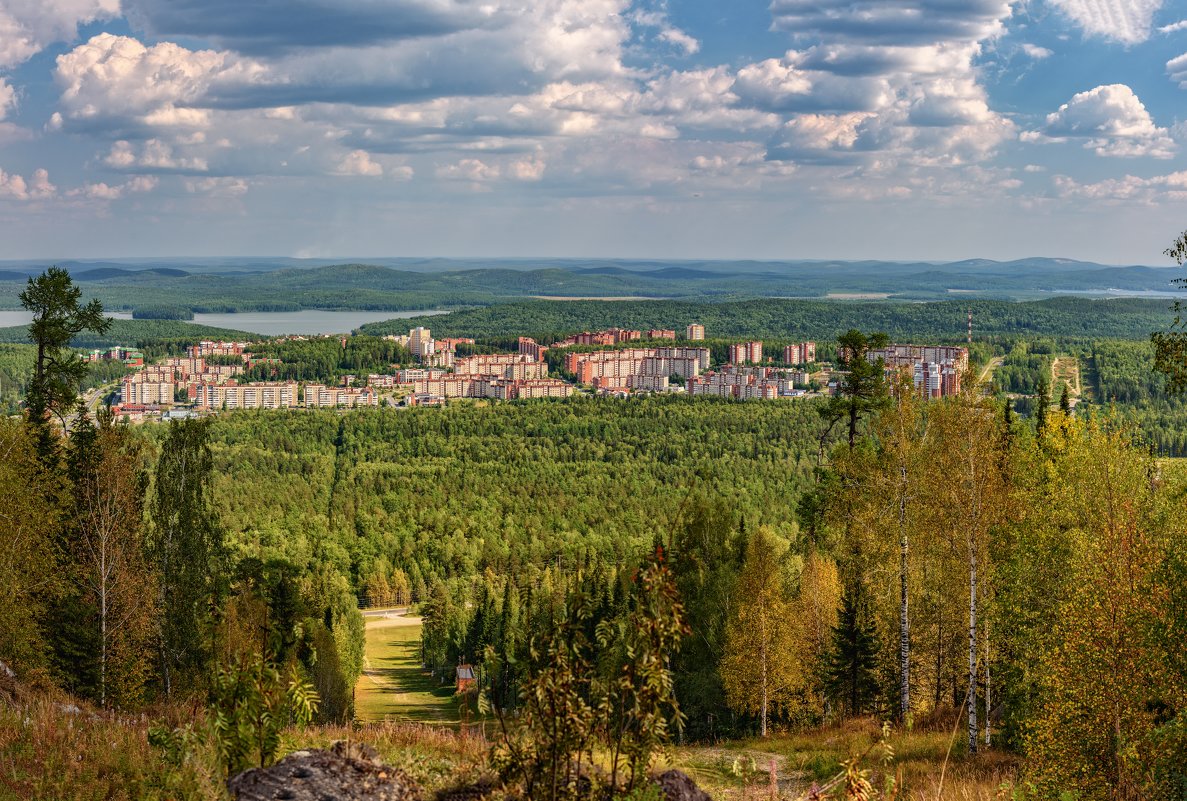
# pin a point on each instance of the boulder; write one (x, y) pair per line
(346, 772)
(676, 786)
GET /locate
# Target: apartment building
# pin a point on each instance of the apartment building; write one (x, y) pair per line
(530, 347)
(746, 353)
(616, 368)
(611, 336)
(420, 342)
(257, 395)
(759, 383)
(801, 353)
(209, 348)
(695, 332)
(935, 370)
(324, 397)
(660, 333)
(146, 393)
(512, 366)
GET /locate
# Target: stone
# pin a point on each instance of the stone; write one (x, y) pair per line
(347, 772)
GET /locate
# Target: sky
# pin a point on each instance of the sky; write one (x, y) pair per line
(723, 129)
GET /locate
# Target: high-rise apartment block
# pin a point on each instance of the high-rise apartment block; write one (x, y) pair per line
(420, 342)
(935, 370)
(627, 369)
(746, 353)
(695, 332)
(801, 353)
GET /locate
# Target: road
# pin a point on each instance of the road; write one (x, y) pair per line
(993, 364)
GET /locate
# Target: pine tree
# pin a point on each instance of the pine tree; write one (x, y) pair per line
(1041, 402)
(58, 316)
(851, 667)
(863, 386)
(1065, 402)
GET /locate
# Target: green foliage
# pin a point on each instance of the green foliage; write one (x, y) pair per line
(58, 317)
(250, 705)
(862, 389)
(326, 360)
(851, 667)
(186, 546)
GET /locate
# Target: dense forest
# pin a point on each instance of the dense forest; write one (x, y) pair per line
(1125, 318)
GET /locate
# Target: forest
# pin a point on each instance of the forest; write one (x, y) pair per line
(821, 320)
(664, 569)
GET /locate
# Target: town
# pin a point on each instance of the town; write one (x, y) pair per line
(616, 362)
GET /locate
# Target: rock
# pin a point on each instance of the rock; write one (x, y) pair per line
(347, 772)
(677, 786)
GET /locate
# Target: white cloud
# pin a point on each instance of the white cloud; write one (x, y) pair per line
(1112, 122)
(28, 26)
(1035, 52)
(7, 98)
(217, 187)
(1181, 25)
(1176, 68)
(104, 191)
(474, 170)
(118, 79)
(1129, 189)
(154, 155)
(37, 187)
(1124, 21)
(358, 162)
(526, 169)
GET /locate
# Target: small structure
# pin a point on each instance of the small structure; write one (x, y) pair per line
(465, 679)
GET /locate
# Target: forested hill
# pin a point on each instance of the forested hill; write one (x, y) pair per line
(1122, 318)
(137, 332)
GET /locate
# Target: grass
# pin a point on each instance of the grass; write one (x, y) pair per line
(804, 757)
(393, 686)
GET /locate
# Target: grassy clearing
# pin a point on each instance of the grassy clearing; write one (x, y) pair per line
(393, 686)
(816, 755)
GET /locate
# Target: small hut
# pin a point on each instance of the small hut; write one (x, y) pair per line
(465, 679)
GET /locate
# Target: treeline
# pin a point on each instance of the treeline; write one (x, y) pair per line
(1125, 318)
(126, 590)
(141, 333)
(327, 359)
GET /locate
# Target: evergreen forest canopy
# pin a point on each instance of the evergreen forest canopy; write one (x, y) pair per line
(714, 567)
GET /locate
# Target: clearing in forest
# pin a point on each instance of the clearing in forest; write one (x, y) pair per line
(1065, 369)
(394, 685)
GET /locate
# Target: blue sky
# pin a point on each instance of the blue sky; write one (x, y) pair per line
(897, 129)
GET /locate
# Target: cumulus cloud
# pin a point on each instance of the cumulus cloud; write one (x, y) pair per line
(1112, 122)
(1176, 68)
(1124, 21)
(112, 79)
(104, 191)
(667, 32)
(1129, 189)
(7, 98)
(358, 162)
(152, 155)
(37, 187)
(1181, 25)
(27, 28)
(217, 187)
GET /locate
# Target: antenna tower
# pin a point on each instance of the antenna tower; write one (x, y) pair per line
(970, 327)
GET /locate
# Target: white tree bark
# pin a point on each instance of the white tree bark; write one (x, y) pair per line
(904, 620)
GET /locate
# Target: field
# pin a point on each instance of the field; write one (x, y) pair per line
(393, 686)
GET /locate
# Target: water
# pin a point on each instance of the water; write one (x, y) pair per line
(309, 321)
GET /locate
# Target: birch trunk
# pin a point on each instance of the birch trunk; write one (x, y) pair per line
(972, 697)
(904, 620)
(988, 689)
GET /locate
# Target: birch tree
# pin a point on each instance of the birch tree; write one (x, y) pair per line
(760, 669)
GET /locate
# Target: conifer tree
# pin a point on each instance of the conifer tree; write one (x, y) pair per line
(1065, 402)
(863, 387)
(58, 316)
(852, 664)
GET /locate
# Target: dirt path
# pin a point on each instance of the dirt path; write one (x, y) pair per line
(394, 685)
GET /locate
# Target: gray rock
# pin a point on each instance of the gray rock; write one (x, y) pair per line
(347, 772)
(677, 786)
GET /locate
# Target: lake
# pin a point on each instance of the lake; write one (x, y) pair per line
(308, 321)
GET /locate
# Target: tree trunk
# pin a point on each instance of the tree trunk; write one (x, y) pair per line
(763, 657)
(988, 689)
(972, 697)
(904, 621)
